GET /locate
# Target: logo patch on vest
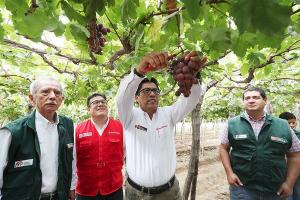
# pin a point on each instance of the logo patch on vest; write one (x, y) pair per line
(81, 135)
(23, 163)
(278, 139)
(241, 136)
(140, 127)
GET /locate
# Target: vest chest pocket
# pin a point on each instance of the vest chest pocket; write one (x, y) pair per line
(116, 145)
(278, 145)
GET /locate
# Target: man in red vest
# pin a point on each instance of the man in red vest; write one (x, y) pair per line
(99, 154)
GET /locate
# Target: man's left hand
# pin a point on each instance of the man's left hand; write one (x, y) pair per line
(71, 195)
(285, 190)
(196, 57)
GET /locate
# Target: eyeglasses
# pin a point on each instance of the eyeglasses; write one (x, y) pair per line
(98, 102)
(147, 91)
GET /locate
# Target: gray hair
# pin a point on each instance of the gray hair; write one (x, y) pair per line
(36, 84)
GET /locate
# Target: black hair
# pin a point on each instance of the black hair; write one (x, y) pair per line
(287, 116)
(256, 89)
(92, 96)
(146, 80)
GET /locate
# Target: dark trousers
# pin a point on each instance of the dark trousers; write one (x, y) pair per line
(117, 195)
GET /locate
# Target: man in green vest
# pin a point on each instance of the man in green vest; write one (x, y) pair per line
(36, 151)
(291, 118)
(260, 153)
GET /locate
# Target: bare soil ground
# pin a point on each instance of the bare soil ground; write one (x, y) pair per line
(211, 183)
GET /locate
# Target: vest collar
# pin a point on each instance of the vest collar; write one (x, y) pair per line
(268, 118)
(31, 120)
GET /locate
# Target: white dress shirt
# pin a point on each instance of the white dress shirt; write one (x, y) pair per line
(150, 145)
(48, 139)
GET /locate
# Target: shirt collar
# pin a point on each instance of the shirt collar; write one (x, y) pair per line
(249, 118)
(105, 125)
(40, 118)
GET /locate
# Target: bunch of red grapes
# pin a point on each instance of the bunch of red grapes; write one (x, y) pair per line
(97, 40)
(185, 72)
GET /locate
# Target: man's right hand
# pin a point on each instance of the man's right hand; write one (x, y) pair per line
(234, 180)
(155, 60)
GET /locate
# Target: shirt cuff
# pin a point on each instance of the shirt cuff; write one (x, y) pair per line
(137, 73)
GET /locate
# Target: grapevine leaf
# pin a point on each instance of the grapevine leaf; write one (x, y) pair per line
(259, 15)
(1, 28)
(128, 10)
(244, 69)
(17, 7)
(72, 14)
(193, 8)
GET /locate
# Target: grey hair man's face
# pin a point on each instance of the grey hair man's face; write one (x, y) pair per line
(47, 96)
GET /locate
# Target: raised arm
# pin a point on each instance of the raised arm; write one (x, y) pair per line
(129, 85)
(126, 95)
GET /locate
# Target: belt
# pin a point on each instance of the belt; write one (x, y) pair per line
(152, 190)
(49, 196)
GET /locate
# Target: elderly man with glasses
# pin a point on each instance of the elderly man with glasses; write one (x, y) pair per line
(149, 136)
(99, 153)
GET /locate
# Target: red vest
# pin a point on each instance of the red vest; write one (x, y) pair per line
(99, 158)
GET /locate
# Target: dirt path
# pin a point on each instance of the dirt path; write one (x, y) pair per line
(211, 183)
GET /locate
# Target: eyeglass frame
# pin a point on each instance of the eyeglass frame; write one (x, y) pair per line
(147, 91)
(97, 102)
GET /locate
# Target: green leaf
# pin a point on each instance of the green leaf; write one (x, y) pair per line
(72, 14)
(154, 30)
(33, 24)
(138, 36)
(217, 39)
(192, 7)
(128, 10)
(244, 69)
(296, 23)
(193, 33)
(1, 28)
(255, 58)
(268, 69)
(267, 16)
(79, 31)
(91, 6)
(60, 29)
(17, 7)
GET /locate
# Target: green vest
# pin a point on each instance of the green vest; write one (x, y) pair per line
(23, 180)
(259, 163)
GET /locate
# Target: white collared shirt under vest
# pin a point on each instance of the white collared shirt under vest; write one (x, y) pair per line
(48, 139)
(150, 145)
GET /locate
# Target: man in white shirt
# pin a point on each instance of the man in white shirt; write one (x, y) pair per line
(149, 137)
(36, 150)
